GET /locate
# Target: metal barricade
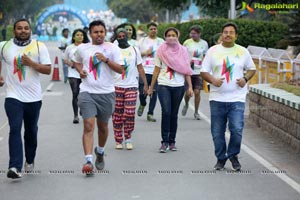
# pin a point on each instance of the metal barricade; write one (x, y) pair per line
(257, 53)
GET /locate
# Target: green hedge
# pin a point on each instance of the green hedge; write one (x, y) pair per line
(251, 32)
(9, 32)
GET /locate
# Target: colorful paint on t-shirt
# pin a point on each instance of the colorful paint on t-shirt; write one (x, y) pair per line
(19, 68)
(196, 51)
(95, 66)
(230, 64)
(227, 69)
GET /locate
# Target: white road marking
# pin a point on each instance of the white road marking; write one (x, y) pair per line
(53, 94)
(49, 88)
(259, 158)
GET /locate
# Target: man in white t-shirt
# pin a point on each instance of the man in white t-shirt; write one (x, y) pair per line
(223, 67)
(197, 48)
(96, 63)
(65, 41)
(148, 47)
(24, 60)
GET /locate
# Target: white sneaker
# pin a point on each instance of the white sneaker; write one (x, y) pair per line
(184, 109)
(28, 167)
(119, 146)
(129, 146)
(13, 173)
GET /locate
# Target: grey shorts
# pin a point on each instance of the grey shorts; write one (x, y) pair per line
(96, 105)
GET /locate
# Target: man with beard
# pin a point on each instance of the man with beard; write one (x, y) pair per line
(223, 67)
(24, 60)
(96, 63)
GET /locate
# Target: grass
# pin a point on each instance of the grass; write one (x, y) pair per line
(287, 87)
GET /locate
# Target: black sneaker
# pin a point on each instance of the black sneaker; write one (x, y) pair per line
(99, 163)
(220, 165)
(236, 166)
(13, 173)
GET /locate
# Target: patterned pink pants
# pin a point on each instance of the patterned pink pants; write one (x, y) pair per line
(124, 114)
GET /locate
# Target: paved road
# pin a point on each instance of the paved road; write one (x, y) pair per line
(271, 171)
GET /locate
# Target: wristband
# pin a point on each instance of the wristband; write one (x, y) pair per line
(245, 79)
(106, 61)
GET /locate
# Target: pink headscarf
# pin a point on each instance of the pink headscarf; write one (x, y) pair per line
(175, 56)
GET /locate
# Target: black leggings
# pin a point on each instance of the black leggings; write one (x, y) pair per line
(74, 83)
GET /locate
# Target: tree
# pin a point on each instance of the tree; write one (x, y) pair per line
(174, 7)
(134, 10)
(14, 9)
(214, 8)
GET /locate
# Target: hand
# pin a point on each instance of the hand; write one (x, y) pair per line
(218, 82)
(25, 60)
(241, 82)
(150, 91)
(189, 92)
(148, 52)
(100, 57)
(1, 81)
(83, 74)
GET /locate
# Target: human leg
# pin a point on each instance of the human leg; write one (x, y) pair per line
(164, 96)
(31, 117)
(236, 125)
(74, 84)
(14, 110)
(129, 115)
(177, 94)
(218, 128)
(117, 116)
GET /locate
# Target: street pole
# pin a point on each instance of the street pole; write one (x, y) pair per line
(167, 16)
(232, 9)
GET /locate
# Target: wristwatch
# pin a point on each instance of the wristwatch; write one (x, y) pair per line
(106, 61)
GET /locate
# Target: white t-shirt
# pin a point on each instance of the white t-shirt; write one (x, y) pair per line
(64, 42)
(131, 42)
(167, 76)
(229, 63)
(145, 44)
(23, 82)
(67, 55)
(100, 78)
(131, 59)
(197, 50)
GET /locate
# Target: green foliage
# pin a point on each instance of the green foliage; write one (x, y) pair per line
(214, 8)
(250, 32)
(9, 32)
(15, 9)
(133, 10)
(287, 87)
(171, 4)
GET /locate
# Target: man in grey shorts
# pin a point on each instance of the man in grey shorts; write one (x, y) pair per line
(96, 63)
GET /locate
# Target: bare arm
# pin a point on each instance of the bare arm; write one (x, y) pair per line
(154, 79)
(43, 69)
(114, 66)
(79, 69)
(209, 78)
(189, 90)
(242, 81)
(143, 77)
(146, 53)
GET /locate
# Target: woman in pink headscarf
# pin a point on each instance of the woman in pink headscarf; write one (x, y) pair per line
(172, 69)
